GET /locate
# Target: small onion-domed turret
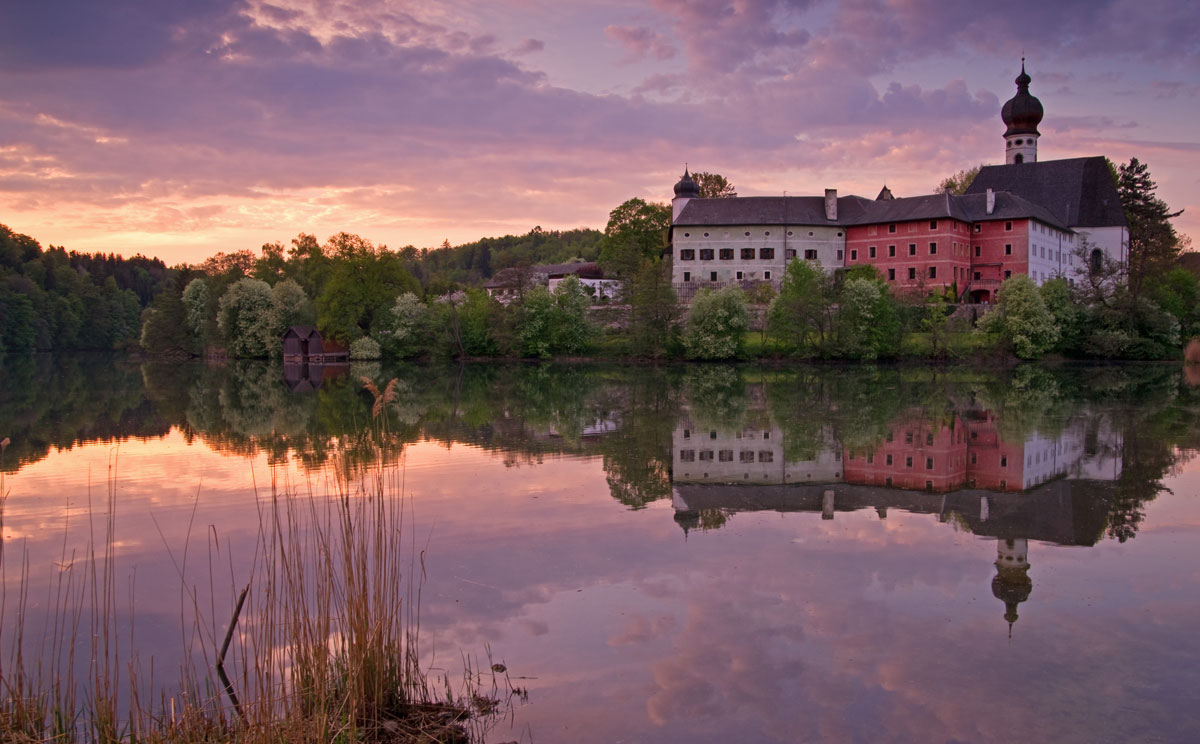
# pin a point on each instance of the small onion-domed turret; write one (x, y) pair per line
(1021, 115)
(687, 188)
(1023, 112)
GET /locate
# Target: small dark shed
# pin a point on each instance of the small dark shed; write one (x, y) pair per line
(304, 344)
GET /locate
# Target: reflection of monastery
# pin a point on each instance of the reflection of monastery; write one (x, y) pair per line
(1054, 489)
(1024, 217)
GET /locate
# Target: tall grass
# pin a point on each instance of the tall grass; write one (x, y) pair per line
(325, 647)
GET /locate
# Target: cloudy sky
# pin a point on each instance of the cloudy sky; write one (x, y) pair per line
(178, 128)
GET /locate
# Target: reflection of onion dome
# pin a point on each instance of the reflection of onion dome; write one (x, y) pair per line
(687, 188)
(1012, 584)
(1023, 112)
(688, 520)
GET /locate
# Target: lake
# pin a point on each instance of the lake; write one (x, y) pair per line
(701, 553)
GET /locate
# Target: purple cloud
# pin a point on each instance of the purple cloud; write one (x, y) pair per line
(642, 41)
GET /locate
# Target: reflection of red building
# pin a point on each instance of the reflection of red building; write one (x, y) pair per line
(967, 452)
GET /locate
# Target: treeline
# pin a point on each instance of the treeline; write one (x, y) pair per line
(53, 299)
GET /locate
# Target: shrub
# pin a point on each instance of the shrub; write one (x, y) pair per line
(365, 348)
(716, 324)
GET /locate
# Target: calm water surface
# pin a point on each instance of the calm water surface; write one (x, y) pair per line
(702, 554)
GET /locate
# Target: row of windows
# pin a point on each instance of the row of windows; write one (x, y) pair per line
(712, 276)
(726, 254)
(908, 460)
(766, 233)
(726, 455)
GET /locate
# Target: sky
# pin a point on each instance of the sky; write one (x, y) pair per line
(179, 128)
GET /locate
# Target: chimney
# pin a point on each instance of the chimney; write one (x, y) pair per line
(991, 201)
(831, 204)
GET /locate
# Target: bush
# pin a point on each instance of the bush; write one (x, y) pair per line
(365, 349)
(716, 324)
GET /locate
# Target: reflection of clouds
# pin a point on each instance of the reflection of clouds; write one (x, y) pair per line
(641, 629)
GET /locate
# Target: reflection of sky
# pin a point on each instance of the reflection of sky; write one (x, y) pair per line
(776, 627)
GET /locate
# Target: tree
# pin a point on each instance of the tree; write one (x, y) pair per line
(716, 324)
(196, 306)
(554, 323)
(802, 314)
(957, 184)
(713, 185)
(290, 306)
(244, 317)
(1153, 244)
(653, 311)
(406, 333)
(636, 230)
(164, 328)
(1022, 319)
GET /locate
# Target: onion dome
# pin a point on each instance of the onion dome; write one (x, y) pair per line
(1023, 112)
(687, 188)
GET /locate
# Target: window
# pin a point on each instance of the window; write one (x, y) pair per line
(1007, 274)
(891, 228)
(929, 439)
(978, 275)
(687, 276)
(908, 461)
(705, 455)
(933, 272)
(706, 254)
(912, 272)
(979, 228)
(1008, 227)
(687, 455)
(933, 249)
(747, 233)
(739, 275)
(726, 254)
(788, 253)
(712, 276)
(706, 235)
(973, 458)
(810, 254)
(687, 235)
(871, 251)
(892, 251)
(889, 459)
(891, 275)
(746, 456)
(1008, 249)
(725, 455)
(687, 433)
(766, 456)
(912, 249)
(766, 253)
(747, 254)
(870, 457)
(853, 254)
(687, 254)
(1003, 462)
(978, 251)
(929, 463)
(839, 254)
(766, 275)
(933, 224)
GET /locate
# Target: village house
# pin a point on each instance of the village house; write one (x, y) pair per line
(508, 284)
(1023, 217)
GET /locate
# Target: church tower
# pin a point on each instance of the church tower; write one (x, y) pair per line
(1021, 114)
(685, 190)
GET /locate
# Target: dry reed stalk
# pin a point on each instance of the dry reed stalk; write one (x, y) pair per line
(1191, 353)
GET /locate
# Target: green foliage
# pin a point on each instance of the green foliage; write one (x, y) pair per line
(1153, 243)
(713, 185)
(449, 267)
(959, 182)
(365, 349)
(246, 319)
(653, 312)
(406, 332)
(164, 325)
(802, 315)
(290, 306)
(716, 324)
(636, 232)
(196, 306)
(554, 323)
(362, 283)
(1022, 319)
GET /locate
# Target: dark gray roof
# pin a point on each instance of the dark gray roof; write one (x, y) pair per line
(1079, 192)
(769, 210)
(1008, 207)
(904, 209)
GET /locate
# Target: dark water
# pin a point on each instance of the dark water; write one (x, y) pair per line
(690, 554)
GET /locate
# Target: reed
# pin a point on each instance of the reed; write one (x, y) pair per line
(326, 646)
(1191, 352)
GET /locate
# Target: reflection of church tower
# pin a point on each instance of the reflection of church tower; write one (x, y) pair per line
(1012, 584)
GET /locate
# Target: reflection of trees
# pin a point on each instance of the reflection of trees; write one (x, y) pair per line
(63, 400)
(716, 395)
(637, 457)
